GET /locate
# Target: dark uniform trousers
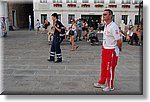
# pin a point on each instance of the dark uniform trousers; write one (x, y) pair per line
(55, 47)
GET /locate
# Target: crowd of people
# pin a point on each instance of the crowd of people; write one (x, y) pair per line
(135, 35)
(81, 29)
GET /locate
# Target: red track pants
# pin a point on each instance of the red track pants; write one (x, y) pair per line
(109, 62)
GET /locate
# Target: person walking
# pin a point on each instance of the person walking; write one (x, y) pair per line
(47, 26)
(55, 47)
(79, 30)
(72, 34)
(110, 50)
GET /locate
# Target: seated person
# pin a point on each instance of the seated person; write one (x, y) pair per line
(93, 36)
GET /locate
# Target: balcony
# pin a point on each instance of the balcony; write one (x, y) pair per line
(125, 6)
(71, 5)
(112, 6)
(85, 5)
(138, 6)
(99, 5)
(57, 5)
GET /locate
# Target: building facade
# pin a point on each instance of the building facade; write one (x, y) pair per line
(126, 10)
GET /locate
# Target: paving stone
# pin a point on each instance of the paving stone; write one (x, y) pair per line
(27, 71)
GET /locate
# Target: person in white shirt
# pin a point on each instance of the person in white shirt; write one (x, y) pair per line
(110, 51)
(130, 35)
(37, 26)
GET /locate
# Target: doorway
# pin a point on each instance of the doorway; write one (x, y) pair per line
(19, 14)
(14, 23)
(92, 20)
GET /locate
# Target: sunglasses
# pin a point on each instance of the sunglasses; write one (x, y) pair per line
(104, 14)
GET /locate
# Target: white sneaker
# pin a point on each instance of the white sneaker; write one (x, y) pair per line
(97, 85)
(106, 89)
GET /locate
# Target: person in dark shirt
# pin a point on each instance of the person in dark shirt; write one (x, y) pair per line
(55, 47)
(93, 36)
(46, 24)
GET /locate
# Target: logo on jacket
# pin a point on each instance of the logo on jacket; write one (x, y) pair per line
(117, 32)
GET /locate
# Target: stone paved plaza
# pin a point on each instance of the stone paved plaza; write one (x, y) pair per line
(27, 71)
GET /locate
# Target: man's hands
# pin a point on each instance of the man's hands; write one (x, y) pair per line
(119, 44)
(57, 28)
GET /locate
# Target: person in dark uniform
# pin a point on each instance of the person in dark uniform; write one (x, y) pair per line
(55, 47)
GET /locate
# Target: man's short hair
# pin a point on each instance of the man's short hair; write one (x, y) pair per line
(55, 15)
(110, 11)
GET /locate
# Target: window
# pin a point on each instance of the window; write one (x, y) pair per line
(125, 18)
(112, 1)
(136, 1)
(43, 1)
(85, 1)
(98, 1)
(113, 18)
(136, 20)
(59, 17)
(57, 1)
(125, 1)
(71, 1)
(70, 17)
(43, 18)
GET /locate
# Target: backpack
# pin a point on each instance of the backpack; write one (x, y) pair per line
(63, 31)
(62, 34)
